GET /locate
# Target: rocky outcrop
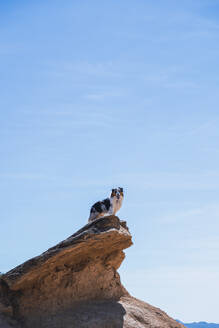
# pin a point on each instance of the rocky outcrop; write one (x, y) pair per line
(76, 284)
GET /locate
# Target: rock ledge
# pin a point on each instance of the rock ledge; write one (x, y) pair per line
(76, 284)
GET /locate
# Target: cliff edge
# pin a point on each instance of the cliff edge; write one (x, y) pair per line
(75, 284)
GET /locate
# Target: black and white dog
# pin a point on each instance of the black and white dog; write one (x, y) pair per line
(107, 206)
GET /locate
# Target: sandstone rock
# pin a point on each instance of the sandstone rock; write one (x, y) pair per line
(75, 284)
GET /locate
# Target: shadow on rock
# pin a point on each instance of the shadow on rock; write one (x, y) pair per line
(89, 314)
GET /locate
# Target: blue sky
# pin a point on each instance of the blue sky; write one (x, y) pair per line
(97, 94)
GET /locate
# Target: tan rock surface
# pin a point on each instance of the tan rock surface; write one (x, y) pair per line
(75, 284)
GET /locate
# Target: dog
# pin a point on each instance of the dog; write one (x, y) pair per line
(108, 206)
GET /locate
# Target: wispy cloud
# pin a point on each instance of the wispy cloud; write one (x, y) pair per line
(59, 122)
(168, 181)
(84, 68)
(195, 234)
(25, 176)
(103, 95)
(184, 292)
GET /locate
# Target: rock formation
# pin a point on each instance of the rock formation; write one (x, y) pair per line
(75, 284)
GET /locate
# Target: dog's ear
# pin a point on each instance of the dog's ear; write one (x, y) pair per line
(113, 193)
(121, 189)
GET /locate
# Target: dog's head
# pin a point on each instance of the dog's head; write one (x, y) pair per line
(117, 192)
(114, 192)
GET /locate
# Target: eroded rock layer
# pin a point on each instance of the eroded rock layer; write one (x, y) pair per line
(76, 284)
